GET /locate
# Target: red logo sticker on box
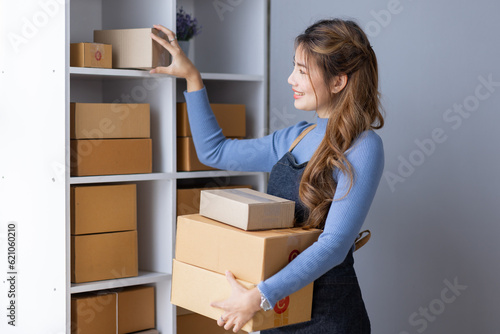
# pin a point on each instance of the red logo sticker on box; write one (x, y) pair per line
(98, 55)
(293, 255)
(282, 305)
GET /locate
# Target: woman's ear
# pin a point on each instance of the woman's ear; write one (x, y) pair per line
(339, 82)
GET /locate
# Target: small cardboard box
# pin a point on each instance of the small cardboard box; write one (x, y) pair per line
(103, 256)
(195, 288)
(247, 209)
(109, 120)
(90, 55)
(134, 48)
(136, 309)
(148, 331)
(99, 209)
(93, 314)
(251, 256)
(188, 200)
(187, 159)
(111, 156)
(196, 323)
(231, 119)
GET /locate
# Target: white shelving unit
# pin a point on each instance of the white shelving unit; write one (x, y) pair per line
(37, 85)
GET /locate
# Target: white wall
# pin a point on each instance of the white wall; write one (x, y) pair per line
(438, 224)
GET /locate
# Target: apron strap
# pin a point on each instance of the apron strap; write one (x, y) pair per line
(302, 135)
(362, 239)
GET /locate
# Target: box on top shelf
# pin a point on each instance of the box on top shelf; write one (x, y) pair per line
(188, 200)
(99, 209)
(187, 159)
(91, 55)
(111, 156)
(194, 323)
(250, 255)
(109, 120)
(231, 119)
(96, 257)
(195, 288)
(134, 48)
(247, 209)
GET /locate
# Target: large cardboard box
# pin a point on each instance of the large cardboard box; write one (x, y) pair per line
(231, 119)
(251, 256)
(188, 200)
(90, 55)
(109, 120)
(136, 309)
(187, 159)
(195, 288)
(93, 314)
(99, 209)
(134, 48)
(194, 323)
(247, 209)
(111, 156)
(103, 256)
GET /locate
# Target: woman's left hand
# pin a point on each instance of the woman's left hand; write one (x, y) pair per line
(240, 307)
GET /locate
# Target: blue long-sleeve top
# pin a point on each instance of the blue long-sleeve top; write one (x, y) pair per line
(346, 215)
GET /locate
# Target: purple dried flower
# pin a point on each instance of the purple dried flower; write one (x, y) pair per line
(187, 27)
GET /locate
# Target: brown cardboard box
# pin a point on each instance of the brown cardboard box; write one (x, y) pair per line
(110, 156)
(148, 331)
(247, 209)
(134, 48)
(197, 324)
(103, 256)
(188, 200)
(195, 288)
(251, 256)
(136, 309)
(231, 119)
(93, 314)
(187, 159)
(98, 209)
(109, 120)
(90, 55)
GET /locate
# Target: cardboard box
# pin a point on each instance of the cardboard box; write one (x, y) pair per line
(109, 120)
(134, 48)
(251, 256)
(148, 331)
(93, 314)
(99, 209)
(90, 55)
(196, 323)
(247, 209)
(188, 200)
(136, 309)
(111, 156)
(103, 256)
(195, 288)
(231, 119)
(187, 159)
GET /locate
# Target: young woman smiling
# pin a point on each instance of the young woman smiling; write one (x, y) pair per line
(331, 169)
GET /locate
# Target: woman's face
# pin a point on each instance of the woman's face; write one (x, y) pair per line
(303, 78)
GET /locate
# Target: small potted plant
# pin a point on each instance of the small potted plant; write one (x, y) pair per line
(187, 28)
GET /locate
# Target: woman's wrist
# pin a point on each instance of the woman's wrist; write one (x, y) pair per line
(194, 82)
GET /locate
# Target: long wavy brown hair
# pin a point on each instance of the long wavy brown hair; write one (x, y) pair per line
(338, 47)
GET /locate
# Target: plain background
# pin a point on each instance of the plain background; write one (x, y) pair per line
(436, 224)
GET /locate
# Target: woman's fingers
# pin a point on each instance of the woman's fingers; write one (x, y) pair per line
(232, 280)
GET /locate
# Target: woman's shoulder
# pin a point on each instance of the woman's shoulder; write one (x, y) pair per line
(367, 144)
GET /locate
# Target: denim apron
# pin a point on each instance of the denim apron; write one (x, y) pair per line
(338, 307)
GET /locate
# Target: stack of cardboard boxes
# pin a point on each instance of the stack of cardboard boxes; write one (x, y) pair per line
(206, 248)
(231, 119)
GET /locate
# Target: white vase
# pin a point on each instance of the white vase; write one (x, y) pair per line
(184, 46)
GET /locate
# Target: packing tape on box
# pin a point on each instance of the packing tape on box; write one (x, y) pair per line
(250, 196)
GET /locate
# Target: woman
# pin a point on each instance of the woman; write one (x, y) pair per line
(331, 169)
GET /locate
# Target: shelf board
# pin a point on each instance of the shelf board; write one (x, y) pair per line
(119, 178)
(231, 77)
(215, 173)
(101, 73)
(145, 277)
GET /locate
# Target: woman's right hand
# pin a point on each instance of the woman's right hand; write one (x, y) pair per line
(180, 66)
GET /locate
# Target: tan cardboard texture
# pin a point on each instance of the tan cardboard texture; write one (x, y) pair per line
(103, 256)
(188, 200)
(252, 256)
(230, 117)
(109, 120)
(134, 48)
(86, 318)
(195, 288)
(91, 55)
(249, 209)
(136, 309)
(100, 209)
(111, 156)
(187, 159)
(194, 323)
